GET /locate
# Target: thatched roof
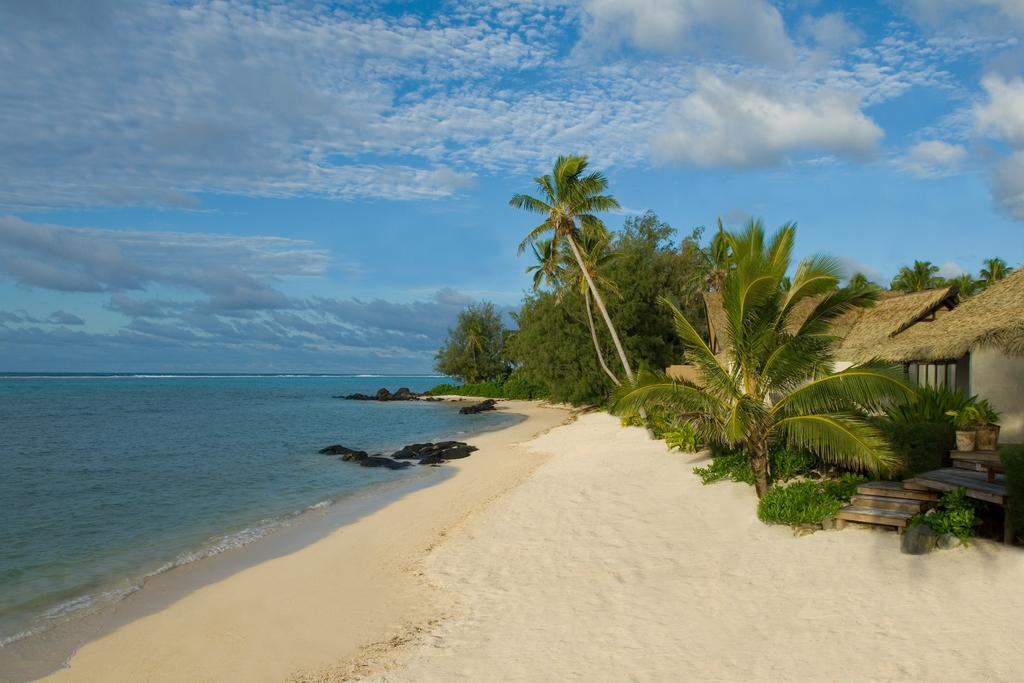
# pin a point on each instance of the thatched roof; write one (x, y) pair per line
(995, 317)
(864, 331)
(876, 327)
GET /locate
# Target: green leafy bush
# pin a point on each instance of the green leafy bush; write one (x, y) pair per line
(514, 386)
(807, 502)
(922, 446)
(789, 463)
(955, 514)
(929, 404)
(735, 467)
(786, 464)
(1012, 458)
(683, 438)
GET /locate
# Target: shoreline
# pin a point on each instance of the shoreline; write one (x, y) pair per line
(185, 588)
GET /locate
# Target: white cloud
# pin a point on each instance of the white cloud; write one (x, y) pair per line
(734, 123)
(1003, 115)
(831, 32)
(933, 158)
(1008, 185)
(751, 28)
(997, 17)
(950, 269)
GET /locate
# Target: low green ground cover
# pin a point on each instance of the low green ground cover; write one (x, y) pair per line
(809, 501)
(955, 514)
(786, 464)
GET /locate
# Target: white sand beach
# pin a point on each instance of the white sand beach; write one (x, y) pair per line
(608, 561)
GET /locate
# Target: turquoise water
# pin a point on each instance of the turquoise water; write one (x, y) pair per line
(107, 479)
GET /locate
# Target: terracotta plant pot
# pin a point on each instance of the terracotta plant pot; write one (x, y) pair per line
(988, 438)
(965, 440)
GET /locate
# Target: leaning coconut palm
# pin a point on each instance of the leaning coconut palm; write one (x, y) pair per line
(571, 200)
(774, 382)
(595, 250)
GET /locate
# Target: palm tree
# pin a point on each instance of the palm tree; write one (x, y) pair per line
(775, 382)
(555, 269)
(965, 283)
(860, 281)
(594, 247)
(994, 270)
(717, 260)
(474, 345)
(548, 269)
(571, 198)
(921, 276)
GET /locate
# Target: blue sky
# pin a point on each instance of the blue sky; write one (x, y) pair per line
(321, 187)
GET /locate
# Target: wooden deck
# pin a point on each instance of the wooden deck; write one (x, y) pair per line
(976, 484)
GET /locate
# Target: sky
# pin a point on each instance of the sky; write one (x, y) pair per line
(321, 187)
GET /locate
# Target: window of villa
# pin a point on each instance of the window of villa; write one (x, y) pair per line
(933, 374)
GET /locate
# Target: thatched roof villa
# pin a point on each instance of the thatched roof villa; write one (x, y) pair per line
(976, 345)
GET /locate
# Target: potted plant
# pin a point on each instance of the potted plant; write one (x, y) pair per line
(966, 421)
(988, 428)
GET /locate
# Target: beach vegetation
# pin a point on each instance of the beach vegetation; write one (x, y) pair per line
(993, 270)
(570, 197)
(1012, 458)
(773, 383)
(554, 343)
(786, 464)
(513, 386)
(809, 501)
(955, 514)
(474, 350)
(921, 446)
(917, 278)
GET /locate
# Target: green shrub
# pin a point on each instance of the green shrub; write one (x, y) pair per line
(735, 467)
(921, 446)
(514, 386)
(929, 404)
(808, 501)
(683, 438)
(955, 514)
(1013, 461)
(786, 464)
(789, 463)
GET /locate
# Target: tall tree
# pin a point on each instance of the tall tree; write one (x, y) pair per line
(917, 278)
(474, 349)
(994, 270)
(860, 281)
(570, 200)
(595, 250)
(776, 383)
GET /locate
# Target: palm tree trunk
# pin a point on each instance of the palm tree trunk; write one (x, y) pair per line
(597, 345)
(600, 306)
(759, 464)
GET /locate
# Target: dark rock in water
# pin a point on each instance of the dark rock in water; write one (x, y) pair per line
(431, 460)
(403, 394)
(489, 404)
(918, 539)
(457, 452)
(433, 453)
(345, 453)
(381, 461)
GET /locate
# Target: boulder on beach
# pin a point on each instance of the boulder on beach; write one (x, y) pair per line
(433, 453)
(489, 404)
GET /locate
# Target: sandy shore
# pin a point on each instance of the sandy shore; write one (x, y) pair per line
(609, 561)
(312, 613)
(612, 562)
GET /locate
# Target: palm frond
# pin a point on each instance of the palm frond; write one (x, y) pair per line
(841, 439)
(873, 385)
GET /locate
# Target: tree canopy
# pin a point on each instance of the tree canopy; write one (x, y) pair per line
(474, 350)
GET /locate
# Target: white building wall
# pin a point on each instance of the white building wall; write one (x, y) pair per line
(1000, 379)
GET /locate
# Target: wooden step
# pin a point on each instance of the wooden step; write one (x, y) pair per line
(866, 515)
(895, 489)
(889, 503)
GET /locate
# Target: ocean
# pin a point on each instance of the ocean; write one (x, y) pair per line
(106, 480)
